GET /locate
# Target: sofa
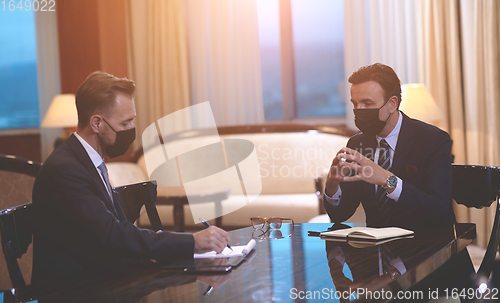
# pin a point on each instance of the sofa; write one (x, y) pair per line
(291, 158)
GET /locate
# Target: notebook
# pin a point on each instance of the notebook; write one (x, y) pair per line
(368, 233)
(362, 243)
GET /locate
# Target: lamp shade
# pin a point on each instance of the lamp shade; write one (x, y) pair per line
(418, 103)
(62, 112)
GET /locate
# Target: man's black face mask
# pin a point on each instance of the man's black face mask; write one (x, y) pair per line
(123, 140)
(367, 120)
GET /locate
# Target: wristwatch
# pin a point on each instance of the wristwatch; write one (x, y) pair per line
(391, 182)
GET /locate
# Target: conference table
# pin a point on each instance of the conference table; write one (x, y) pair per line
(293, 267)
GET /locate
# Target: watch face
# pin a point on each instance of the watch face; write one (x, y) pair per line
(393, 180)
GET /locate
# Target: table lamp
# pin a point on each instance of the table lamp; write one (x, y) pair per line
(62, 113)
(418, 103)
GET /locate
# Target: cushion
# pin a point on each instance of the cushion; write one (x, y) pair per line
(289, 162)
(300, 207)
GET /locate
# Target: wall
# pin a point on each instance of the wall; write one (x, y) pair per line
(22, 145)
(92, 36)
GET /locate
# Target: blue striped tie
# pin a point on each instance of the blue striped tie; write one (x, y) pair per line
(104, 172)
(383, 201)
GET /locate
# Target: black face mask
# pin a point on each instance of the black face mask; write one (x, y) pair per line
(123, 140)
(367, 120)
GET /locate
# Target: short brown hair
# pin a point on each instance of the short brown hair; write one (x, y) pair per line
(97, 94)
(383, 75)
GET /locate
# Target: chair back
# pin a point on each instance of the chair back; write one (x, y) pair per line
(17, 176)
(475, 186)
(478, 186)
(16, 232)
(132, 197)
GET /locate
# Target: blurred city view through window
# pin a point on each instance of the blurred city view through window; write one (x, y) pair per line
(318, 47)
(18, 70)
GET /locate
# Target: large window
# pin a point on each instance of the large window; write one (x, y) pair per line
(307, 36)
(18, 70)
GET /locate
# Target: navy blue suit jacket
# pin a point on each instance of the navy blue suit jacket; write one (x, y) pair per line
(422, 159)
(77, 227)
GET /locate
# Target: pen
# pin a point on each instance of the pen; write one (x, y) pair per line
(208, 225)
(209, 290)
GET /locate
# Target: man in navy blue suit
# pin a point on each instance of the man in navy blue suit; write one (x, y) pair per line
(398, 168)
(81, 223)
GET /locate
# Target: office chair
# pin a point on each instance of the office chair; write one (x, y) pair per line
(478, 187)
(16, 232)
(17, 176)
(132, 197)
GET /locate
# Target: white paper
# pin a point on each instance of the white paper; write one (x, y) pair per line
(238, 251)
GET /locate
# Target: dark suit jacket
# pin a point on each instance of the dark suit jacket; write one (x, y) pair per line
(422, 159)
(76, 227)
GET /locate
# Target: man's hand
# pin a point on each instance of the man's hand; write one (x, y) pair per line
(367, 170)
(334, 176)
(212, 238)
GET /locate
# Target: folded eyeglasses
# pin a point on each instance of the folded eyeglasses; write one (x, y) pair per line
(268, 228)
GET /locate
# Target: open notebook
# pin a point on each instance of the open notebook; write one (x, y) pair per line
(238, 251)
(362, 243)
(368, 233)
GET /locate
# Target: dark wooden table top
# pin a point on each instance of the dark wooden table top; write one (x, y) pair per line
(280, 270)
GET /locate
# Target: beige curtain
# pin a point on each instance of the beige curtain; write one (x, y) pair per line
(481, 63)
(464, 80)
(158, 59)
(481, 44)
(184, 52)
(224, 57)
(49, 82)
(440, 68)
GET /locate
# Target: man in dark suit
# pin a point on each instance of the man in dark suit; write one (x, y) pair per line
(79, 223)
(412, 187)
(398, 168)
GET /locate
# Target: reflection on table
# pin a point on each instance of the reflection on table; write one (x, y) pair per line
(284, 269)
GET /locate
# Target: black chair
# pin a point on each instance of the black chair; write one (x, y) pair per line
(132, 197)
(17, 176)
(19, 165)
(16, 232)
(478, 187)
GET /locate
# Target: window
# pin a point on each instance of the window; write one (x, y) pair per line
(313, 85)
(18, 70)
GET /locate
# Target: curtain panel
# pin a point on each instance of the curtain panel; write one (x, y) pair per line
(158, 59)
(224, 53)
(459, 52)
(185, 52)
(382, 31)
(480, 27)
(49, 78)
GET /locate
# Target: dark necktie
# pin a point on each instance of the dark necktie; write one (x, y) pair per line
(104, 172)
(383, 201)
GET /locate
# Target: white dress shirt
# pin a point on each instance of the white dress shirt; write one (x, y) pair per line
(94, 157)
(392, 140)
